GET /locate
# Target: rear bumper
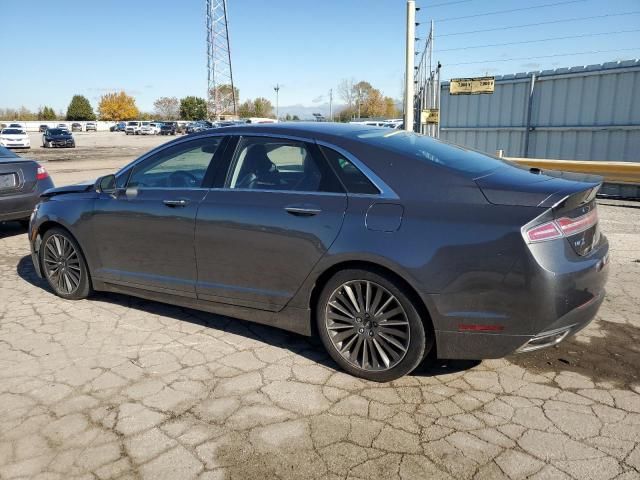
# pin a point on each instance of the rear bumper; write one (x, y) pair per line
(477, 345)
(19, 206)
(554, 294)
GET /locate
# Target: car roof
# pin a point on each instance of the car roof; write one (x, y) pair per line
(320, 130)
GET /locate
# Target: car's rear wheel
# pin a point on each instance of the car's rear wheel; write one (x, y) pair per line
(370, 326)
(64, 266)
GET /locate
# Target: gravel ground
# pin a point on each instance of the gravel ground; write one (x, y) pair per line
(117, 387)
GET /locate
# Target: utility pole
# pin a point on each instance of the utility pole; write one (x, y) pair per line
(331, 104)
(277, 90)
(408, 90)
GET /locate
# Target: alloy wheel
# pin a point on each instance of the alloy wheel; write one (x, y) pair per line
(62, 264)
(367, 325)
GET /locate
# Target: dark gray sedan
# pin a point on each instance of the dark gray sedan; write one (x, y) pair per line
(388, 245)
(21, 183)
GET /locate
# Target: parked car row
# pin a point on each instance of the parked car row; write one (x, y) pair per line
(75, 127)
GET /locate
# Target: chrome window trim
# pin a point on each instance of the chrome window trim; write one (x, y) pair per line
(298, 192)
(385, 190)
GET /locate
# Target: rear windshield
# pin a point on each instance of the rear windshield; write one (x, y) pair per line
(6, 153)
(12, 131)
(430, 150)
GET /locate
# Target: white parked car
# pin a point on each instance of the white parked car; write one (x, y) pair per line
(150, 128)
(14, 138)
(133, 128)
(63, 126)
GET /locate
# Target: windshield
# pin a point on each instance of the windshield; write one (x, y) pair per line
(12, 131)
(56, 131)
(428, 149)
(132, 124)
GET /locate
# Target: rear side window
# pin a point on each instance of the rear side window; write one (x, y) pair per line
(280, 164)
(353, 179)
(429, 150)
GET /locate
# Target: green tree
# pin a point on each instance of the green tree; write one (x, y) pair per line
(80, 109)
(295, 118)
(287, 117)
(193, 108)
(117, 106)
(246, 109)
(263, 107)
(47, 113)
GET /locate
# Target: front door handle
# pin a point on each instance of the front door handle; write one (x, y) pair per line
(302, 211)
(176, 203)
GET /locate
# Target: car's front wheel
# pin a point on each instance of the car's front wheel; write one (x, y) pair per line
(370, 325)
(63, 265)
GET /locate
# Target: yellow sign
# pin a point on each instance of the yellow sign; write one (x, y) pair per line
(430, 115)
(471, 86)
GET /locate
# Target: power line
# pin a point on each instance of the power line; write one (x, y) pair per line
(543, 56)
(496, 12)
(447, 3)
(575, 19)
(548, 39)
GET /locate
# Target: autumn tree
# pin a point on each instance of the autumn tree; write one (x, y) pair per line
(167, 108)
(223, 97)
(80, 109)
(117, 106)
(391, 109)
(193, 108)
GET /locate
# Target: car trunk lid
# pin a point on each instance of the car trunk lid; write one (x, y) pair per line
(569, 198)
(17, 176)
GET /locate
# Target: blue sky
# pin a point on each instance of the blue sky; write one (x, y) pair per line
(153, 48)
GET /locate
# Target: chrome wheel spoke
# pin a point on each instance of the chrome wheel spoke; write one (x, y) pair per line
(352, 297)
(367, 325)
(62, 264)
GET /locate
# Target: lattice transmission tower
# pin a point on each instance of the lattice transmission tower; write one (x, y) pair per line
(221, 94)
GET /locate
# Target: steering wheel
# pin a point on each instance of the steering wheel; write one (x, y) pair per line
(183, 179)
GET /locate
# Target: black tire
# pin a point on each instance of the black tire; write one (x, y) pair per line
(81, 272)
(411, 323)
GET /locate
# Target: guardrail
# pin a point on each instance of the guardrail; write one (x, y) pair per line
(626, 173)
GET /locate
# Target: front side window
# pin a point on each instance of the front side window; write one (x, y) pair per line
(352, 178)
(180, 166)
(279, 164)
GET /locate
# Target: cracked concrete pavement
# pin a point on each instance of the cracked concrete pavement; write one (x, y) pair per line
(117, 387)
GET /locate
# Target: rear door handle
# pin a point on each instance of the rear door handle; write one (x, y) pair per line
(302, 211)
(176, 203)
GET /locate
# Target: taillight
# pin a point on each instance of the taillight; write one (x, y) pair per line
(562, 227)
(571, 226)
(41, 173)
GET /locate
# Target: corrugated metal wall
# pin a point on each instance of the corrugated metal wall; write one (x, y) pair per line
(579, 113)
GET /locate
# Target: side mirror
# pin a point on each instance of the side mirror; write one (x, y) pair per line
(106, 184)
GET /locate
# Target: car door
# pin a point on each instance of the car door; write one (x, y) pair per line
(144, 232)
(259, 235)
